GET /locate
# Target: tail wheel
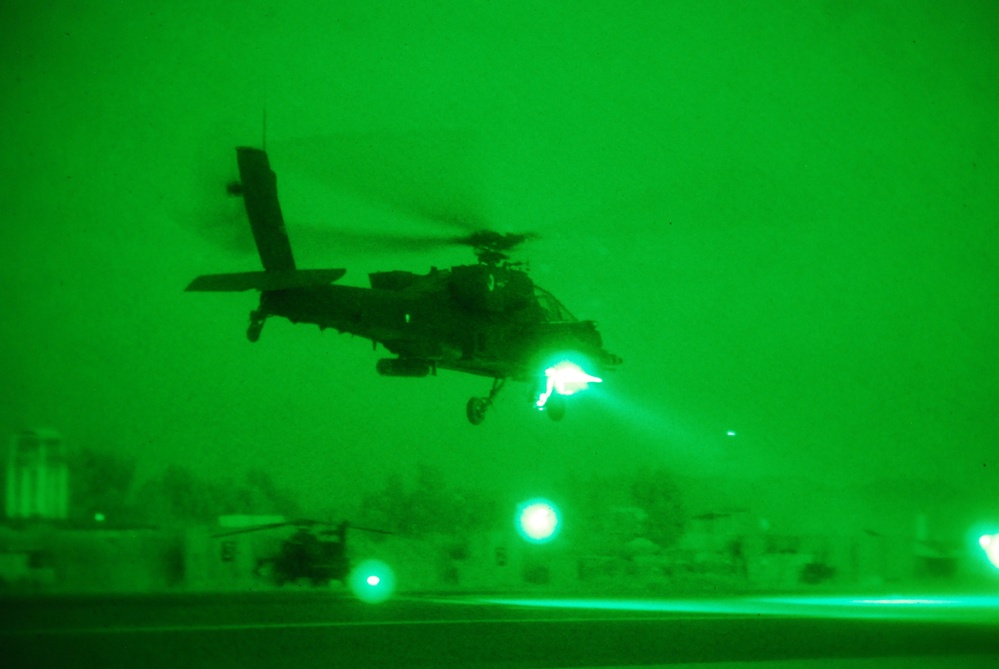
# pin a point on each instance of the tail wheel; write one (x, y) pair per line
(257, 319)
(476, 409)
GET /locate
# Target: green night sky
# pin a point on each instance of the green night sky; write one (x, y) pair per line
(783, 216)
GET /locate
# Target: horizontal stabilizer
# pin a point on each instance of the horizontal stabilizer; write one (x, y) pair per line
(268, 280)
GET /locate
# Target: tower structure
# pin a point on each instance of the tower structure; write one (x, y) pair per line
(37, 476)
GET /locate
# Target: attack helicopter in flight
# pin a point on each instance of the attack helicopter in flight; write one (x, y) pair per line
(489, 318)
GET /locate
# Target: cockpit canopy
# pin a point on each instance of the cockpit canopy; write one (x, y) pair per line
(553, 310)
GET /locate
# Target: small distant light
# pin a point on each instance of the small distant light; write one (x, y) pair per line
(374, 580)
(731, 433)
(99, 517)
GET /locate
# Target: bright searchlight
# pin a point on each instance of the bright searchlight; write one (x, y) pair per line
(565, 378)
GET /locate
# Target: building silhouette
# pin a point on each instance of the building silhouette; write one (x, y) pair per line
(37, 476)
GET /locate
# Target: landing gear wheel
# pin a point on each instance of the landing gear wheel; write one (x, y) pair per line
(257, 319)
(476, 410)
(555, 407)
(476, 407)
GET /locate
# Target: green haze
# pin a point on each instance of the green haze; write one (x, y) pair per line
(782, 215)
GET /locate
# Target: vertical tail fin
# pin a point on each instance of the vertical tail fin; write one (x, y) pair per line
(258, 185)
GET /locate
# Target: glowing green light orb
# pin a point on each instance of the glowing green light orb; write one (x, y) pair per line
(990, 544)
(537, 520)
(372, 581)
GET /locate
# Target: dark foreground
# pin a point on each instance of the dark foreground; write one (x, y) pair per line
(312, 629)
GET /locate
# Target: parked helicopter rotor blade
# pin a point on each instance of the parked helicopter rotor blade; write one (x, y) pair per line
(370, 529)
(247, 530)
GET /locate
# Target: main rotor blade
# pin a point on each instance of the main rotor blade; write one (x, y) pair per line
(312, 236)
(426, 175)
(431, 175)
(317, 237)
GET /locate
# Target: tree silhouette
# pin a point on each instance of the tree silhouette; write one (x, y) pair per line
(429, 506)
(657, 493)
(181, 496)
(100, 484)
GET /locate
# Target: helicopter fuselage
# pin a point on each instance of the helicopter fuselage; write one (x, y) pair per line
(490, 321)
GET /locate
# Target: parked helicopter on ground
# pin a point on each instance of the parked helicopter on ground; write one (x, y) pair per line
(316, 553)
(488, 319)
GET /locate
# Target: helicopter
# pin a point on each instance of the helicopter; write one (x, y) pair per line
(488, 318)
(315, 555)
